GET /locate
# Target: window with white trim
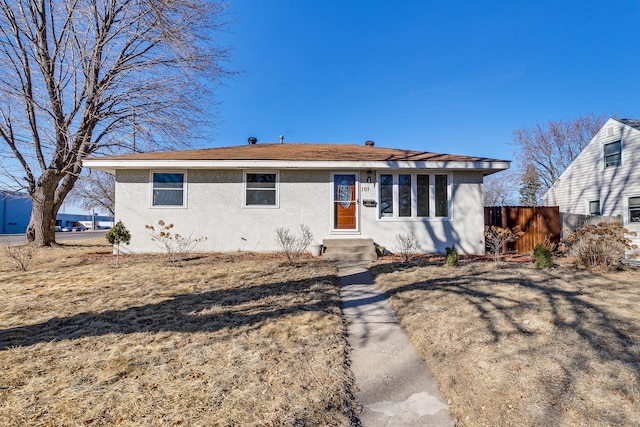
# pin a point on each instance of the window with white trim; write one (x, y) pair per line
(634, 209)
(261, 189)
(413, 195)
(594, 207)
(612, 154)
(168, 189)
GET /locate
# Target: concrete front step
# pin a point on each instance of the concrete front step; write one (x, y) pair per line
(345, 256)
(347, 242)
(349, 250)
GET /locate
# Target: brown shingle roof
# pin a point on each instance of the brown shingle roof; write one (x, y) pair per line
(305, 152)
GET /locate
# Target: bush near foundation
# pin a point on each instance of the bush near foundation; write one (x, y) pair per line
(176, 246)
(496, 239)
(294, 246)
(600, 245)
(452, 256)
(407, 245)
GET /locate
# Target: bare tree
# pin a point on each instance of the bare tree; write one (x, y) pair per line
(551, 147)
(96, 191)
(76, 76)
(499, 189)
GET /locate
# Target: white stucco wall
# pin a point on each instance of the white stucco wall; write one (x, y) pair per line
(215, 210)
(464, 228)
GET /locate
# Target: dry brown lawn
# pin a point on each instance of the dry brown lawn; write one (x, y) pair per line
(220, 340)
(521, 346)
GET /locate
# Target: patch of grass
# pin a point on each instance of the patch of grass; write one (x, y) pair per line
(524, 346)
(220, 340)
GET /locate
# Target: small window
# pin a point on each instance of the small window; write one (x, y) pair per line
(261, 189)
(634, 209)
(612, 154)
(168, 189)
(594, 207)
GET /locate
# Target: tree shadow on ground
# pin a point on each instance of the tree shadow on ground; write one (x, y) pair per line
(573, 309)
(210, 311)
(609, 337)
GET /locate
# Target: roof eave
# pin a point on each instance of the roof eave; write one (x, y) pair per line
(112, 165)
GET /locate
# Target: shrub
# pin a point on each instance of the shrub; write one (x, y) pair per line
(542, 256)
(497, 238)
(600, 245)
(294, 246)
(380, 250)
(177, 247)
(22, 255)
(407, 245)
(452, 256)
(116, 235)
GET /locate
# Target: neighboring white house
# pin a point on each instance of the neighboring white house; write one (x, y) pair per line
(237, 197)
(604, 179)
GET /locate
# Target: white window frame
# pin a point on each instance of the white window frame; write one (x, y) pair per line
(603, 157)
(588, 206)
(626, 213)
(414, 192)
(184, 189)
(244, 189)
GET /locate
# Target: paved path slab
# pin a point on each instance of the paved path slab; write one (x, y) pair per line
(395, 386)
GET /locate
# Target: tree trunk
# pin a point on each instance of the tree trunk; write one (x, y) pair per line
(41, 229)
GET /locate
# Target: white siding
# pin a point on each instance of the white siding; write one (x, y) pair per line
(214, 209)
(587, 179)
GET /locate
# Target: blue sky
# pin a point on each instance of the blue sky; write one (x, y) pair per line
(451, 77)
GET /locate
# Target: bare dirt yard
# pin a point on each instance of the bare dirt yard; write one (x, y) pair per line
(520, 346)
(219, 340)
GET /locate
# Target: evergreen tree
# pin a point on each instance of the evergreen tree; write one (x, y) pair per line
(529, 188)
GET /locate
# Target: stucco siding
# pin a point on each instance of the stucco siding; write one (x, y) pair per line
(214, 209)
(463, 229)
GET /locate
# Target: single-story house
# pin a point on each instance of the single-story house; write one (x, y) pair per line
(604, 179)
(237, 197)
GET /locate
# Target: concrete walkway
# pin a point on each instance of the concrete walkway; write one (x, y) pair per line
(395, 386)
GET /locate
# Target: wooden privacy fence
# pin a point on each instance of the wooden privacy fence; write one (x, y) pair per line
(536, 222)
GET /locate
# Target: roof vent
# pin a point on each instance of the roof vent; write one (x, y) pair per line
(281, 139)
(369, 143)
(252, 140)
